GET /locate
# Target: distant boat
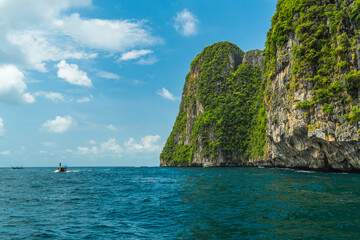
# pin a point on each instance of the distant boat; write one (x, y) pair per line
(15, 167)
(62, 169)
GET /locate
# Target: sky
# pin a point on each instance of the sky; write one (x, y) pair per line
(99, 83)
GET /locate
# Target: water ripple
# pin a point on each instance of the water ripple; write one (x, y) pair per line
(178, 203)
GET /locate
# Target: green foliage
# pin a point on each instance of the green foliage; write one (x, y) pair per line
(327, 33)
(354, 115)
(233, 121)
(311, 128)
(304, 104)
(328, 108)
(352, 83)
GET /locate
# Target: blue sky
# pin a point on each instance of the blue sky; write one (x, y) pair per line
(98, 83)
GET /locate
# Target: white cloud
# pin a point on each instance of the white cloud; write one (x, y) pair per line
(35, 12)
(1, 127)
(147, 61)
(186, 23)
(92, 142)
(6, 152)
(86, 150)
(35, 32)
(53, 96)
(134, 54)
(108, 75)
(72, 74)
(111, 127)
(59, 124)
(83, 100)
(166, 94)
(111, 35)
(12, 86)
(28, 36)
(106, 148)
(138, 83)
(147, 144)
(37, 47)
(111, 146)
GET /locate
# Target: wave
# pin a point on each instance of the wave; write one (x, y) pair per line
(304, 171)
(72, 171)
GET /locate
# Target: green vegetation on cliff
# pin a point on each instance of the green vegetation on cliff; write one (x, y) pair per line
(325, 38)
(221, 111)
(311, 67)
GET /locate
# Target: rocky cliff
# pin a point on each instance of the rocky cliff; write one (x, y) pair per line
(220, 109)
(313, 81)
(294, 105)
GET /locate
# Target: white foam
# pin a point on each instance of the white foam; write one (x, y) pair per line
(304, 171)
(68, 171)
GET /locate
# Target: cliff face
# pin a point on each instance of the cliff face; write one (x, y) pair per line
(219, 110)
(313, 85)
(294, 105)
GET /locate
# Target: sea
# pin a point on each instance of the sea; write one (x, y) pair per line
(178, 203)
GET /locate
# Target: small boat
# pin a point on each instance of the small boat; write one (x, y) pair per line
(62, 168)
(17, 167)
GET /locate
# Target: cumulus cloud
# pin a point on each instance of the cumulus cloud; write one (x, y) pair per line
(43, 31)
(106, 148)
(166, 94)
(37, 48)
(147, 144)
(111, 127)
(186, 23)
(12, 86)
(29, 37)
(111, 35)
(111, 146)
(134, 54)
(72, 74)
(87, 150)
(1, 127)
(58, 125)
(53, 96)
(108, 75)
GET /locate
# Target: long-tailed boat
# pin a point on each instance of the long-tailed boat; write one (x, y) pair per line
(17, 167)
(62, 168)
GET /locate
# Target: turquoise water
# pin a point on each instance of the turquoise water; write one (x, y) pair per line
(178, 203)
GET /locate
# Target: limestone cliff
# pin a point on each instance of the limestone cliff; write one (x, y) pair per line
(294, 105)
(219, 111)
(313, 85)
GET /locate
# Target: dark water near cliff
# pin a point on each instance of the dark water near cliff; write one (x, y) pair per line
(173, 203)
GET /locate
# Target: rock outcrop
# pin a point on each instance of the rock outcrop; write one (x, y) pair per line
(312, 117)
(219, 110)
(294, 105)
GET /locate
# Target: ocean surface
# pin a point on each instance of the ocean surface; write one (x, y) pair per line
(178, 203)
